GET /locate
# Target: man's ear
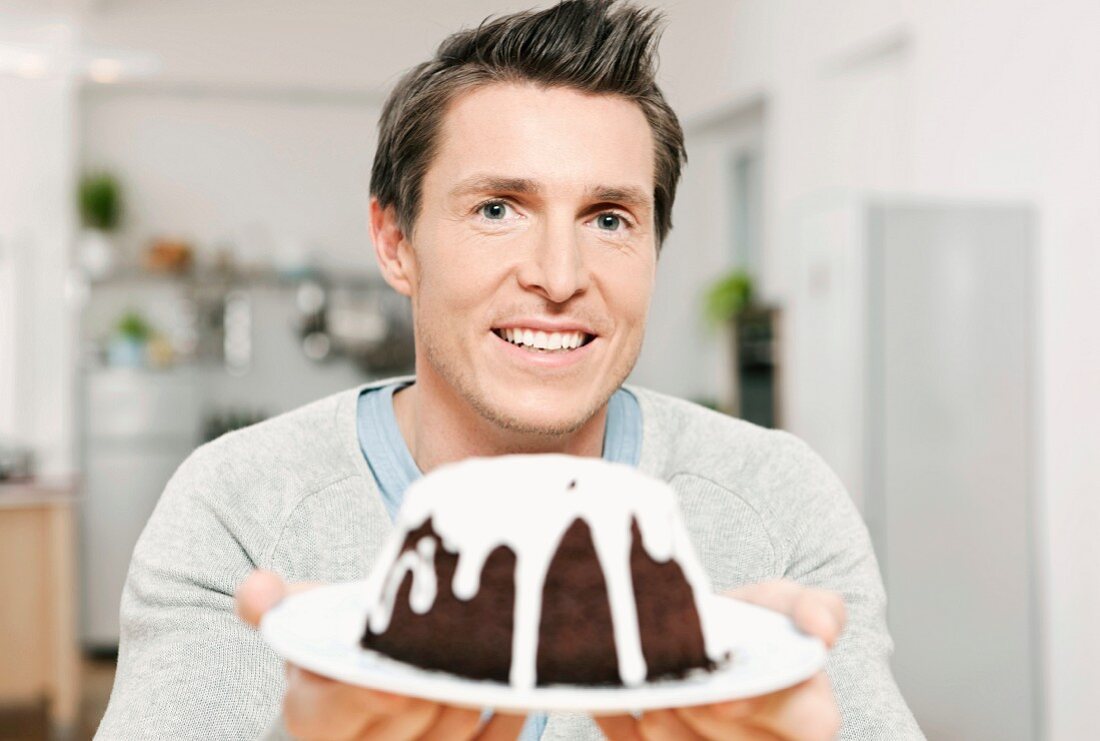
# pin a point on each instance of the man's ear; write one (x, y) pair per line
(393, 251)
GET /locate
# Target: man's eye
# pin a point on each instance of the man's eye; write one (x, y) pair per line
(494, 210)
(609, 221)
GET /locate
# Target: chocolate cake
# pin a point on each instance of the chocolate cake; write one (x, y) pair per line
(541, 569)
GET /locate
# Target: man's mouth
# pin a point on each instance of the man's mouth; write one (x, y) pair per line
(535, 340)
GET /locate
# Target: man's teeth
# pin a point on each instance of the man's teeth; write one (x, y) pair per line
(543, 340)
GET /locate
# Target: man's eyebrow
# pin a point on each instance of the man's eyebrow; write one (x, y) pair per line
(626, 194)
(488, 183)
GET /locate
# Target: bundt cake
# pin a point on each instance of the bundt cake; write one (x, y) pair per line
(538, 570)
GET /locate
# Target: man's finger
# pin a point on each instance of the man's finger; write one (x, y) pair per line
(317, 707)
(453, 724)
(666, 725)
(820, 613)
(817, 612)
(502, 728)
(415, 718)
(261, 591)
(807, 711)
(257, 594)
(710, 724)
(619, 727)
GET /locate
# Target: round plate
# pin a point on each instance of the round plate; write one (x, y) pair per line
(320, 629)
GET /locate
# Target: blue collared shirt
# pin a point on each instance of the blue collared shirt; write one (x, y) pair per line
(394, 469)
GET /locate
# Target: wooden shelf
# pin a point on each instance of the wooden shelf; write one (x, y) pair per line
(237, 278)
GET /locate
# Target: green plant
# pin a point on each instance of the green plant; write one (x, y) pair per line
(100, 201)
(132, 326)
(728, 296)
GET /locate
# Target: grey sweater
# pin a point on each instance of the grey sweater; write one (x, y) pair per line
(295, 495)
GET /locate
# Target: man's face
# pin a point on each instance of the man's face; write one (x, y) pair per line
(534, 253)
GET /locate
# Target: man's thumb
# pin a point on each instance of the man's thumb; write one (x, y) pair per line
(257, 594)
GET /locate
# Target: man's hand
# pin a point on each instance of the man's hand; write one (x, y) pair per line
(805, 712)
(316, 707)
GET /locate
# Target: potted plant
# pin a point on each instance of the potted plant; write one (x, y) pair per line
(728, 296)
(127, 346)
(727, 299)
(100, 204)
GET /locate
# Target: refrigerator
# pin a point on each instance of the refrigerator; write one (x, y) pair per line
(139, 425)
(911, 370)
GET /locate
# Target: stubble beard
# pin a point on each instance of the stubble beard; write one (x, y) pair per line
(462, 381)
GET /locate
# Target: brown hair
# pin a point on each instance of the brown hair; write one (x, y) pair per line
(595, 46)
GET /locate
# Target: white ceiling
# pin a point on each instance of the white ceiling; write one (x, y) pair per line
(343, 46)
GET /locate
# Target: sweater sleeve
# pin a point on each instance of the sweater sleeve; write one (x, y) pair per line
(827, 545)
(188, 668)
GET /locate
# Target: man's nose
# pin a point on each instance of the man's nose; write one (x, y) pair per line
(555, 266)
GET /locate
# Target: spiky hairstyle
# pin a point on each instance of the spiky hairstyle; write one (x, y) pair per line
(595, 46)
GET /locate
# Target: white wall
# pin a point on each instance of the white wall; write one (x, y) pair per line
(265, 173)
(1008, 104)
(36, 226)
(337, 46)
(981, 100)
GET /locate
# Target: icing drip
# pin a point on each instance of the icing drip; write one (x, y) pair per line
(613, 551)
(699, 582)
(538, 497)
(421, 562)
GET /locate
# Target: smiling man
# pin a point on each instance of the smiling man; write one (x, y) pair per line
(530, 266)
(521, 190)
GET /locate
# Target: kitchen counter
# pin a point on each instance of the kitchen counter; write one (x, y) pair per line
(38, 608)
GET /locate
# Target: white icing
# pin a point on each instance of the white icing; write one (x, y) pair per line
(421, 562)
(527, 502)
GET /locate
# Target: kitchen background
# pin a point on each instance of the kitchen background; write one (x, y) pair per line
(886, 242)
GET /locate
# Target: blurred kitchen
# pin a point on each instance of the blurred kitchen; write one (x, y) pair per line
(885, 242)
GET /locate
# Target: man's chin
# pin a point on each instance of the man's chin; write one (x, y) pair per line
(538, 424)
(540, 416)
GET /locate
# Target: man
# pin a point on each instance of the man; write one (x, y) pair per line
(521, 190)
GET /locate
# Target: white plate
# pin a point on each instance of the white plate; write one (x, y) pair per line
(320, 630)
